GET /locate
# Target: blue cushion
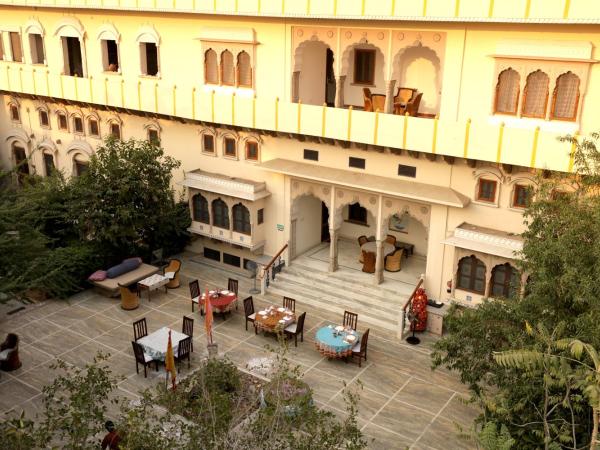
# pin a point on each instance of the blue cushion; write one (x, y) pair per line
(124, 267)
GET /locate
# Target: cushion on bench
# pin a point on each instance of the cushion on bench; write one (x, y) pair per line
(126, 266)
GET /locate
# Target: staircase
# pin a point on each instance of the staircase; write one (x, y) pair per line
(346, 289)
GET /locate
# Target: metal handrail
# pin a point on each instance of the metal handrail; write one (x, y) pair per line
(274, 267)
(406, 305)
(277, 255)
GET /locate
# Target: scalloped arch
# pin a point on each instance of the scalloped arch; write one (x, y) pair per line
(108, 31)
(70, 27)
(34, 26)
(80, 146)
(148, 33)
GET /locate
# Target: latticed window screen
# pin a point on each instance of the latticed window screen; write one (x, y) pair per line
(566, 97)
(241, 219)
(471, 275)
(535, 96)
(244, 69)
(507, 92)
(211, 71)
(200, 209)
(505, 281)
(227, 69)
(220, 214)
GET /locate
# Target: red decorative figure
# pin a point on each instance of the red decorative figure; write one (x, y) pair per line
(419, 308)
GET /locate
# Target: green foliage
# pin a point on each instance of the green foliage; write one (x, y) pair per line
(492, 437)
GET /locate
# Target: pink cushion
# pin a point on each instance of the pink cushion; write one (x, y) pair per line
(98, 275)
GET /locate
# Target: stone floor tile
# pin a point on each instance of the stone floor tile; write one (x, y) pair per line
(32, 409)
(383, 379)
(99, 303)
(36, 330)
(443, 434)
(85, 353)
(118, 339)
(66, 317)
(460, 412)
(127, 316)
(41, 376)
(179, 308)
(342, 369)
(379, 438)
(370, 402)
(94, 326)
(60, 342)
(324, 385)
(403, 418)
(424, 395)
(31, 357)
(13, 393)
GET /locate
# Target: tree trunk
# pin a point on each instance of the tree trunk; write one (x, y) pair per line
(594, 439)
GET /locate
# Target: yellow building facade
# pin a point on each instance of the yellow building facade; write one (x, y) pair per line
(419, 125)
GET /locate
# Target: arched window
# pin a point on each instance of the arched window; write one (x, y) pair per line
(244, 70)
(227, 72)
(471, 275)
(505, 281)
(200, 209)
(49, 164)
(21, 162)
(80, 164)
(211, 74)
(77, 124)
(220, 214)
(535, 95)
(565, 99)
(251, 150)
(93, 127)
(507, 92)
(241, 219)
(15, 114)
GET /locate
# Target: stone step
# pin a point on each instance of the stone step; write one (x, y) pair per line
(344, 280)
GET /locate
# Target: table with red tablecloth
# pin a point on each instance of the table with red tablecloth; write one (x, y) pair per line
(221, 301)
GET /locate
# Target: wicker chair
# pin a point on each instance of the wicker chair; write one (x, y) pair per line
(369, 259)
(362, 240)
(412, 109)
(390, 239)
(129, 300)
(402, 99)
(368, 102)
(393, 262)
(9, 353)
(174, 266)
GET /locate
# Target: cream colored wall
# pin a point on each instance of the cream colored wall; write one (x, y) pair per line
(308, 223)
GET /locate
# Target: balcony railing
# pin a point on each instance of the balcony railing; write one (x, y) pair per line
(585, 11)
(472, 139)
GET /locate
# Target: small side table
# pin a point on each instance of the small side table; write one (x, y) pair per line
(152, 283)
(409, 249)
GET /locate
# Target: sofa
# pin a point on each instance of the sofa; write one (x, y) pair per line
(127, 273)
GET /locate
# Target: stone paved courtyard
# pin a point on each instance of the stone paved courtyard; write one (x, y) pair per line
(403, 403)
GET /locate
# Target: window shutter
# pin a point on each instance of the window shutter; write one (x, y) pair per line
(507, 92)
(566, 97)
(244, 70)
(211, 75)
(535, 98)
(227, 69)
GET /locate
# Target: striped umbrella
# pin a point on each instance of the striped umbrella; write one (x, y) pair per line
(208, 318)
(170, 361)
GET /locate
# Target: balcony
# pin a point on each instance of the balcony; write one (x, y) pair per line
(474, 139)
(548, 11)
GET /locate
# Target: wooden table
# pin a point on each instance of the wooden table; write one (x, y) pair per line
(152, 283)
(271, 322)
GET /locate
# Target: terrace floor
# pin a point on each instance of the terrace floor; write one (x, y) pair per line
(403, 403)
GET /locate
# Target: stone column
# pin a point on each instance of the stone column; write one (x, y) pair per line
(339, 91)
(488, 280)
(333, 249)
(379, 263)
(389, 96)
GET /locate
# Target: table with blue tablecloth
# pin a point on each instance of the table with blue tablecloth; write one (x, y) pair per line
(336, 342)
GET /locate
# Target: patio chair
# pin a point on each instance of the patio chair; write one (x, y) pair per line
(289, 303)
(188, 328)
(172, 272)
(296, 329)
(369, 260)
(141, 357)
(393, 262)
(129, 300)
(9, 353)
(195, 294)
(183, 351)
(249, 312)
(140, 329)
(412, 109)
(368, 101)
(390, 239)
(402, 99)
(360, 349)
(232, 285)
(350, 319)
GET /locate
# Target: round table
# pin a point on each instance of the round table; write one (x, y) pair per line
(218, 300)
(371, 247)
(274, 320)
(334, 346)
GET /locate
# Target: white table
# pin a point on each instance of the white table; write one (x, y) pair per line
(371, 246)
(155, 344)
(152, 283)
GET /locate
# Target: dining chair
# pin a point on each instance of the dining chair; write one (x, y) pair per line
(412, 109)
(188, 328)
(183, 351)
(350, 319)
(140, 329)
(390, 239)
(289, 303)
(296, 329)
(367, 98)
(369, 261)
(360, 349)
(141, 357)
(402, 98)
(232, 285)
(249, 312)
(195, 293)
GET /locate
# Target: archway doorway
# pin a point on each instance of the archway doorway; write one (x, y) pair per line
(310, 224)
(316, 75)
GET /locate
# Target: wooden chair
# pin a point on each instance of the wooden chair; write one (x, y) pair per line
(390, 239)
(393, 262)
(195, 293)
(362, 240)
(360, 349)
(367, 98)
(232, 286)
(402, 99)
(188, 328)
(378, 102)
(142, 358)
(369, 260)
(174, 266)
(9, 353)
(412, 109)
(129, 300)
(350, 319)
(249, 311)
(296, 329)
(289, 303)
(183, 351)
(140, 329)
